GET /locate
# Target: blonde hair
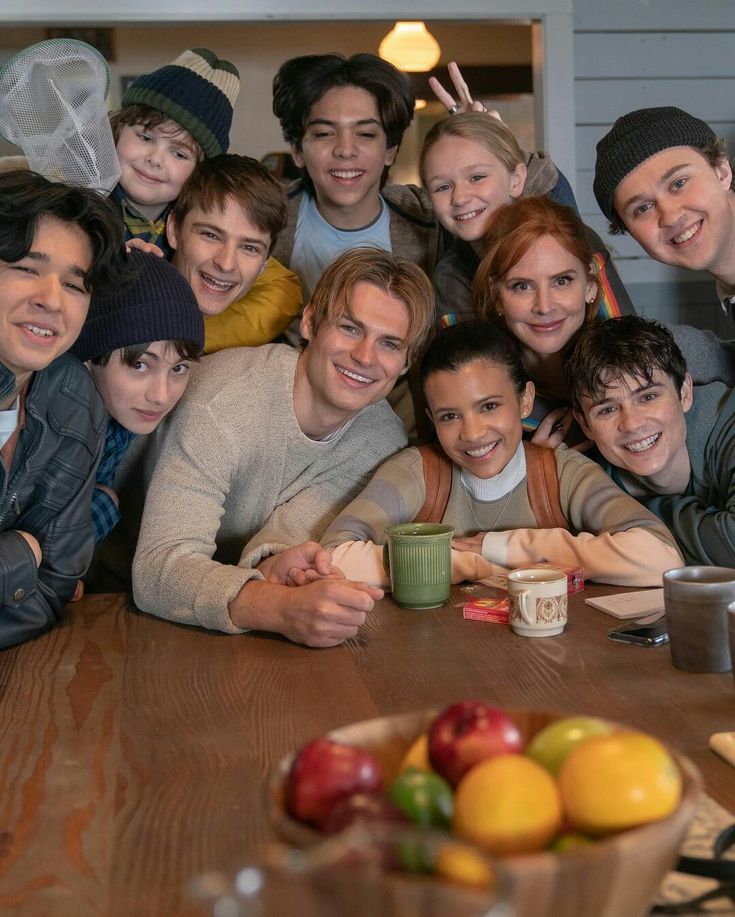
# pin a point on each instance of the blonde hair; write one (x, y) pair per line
(480, 128)
(394, 276)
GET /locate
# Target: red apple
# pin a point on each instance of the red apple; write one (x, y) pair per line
(325, 771)
(467, 733)
(370, 807)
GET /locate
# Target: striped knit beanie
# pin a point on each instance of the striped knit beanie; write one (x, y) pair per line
(636, 137)
(157, 304)
(197, 91)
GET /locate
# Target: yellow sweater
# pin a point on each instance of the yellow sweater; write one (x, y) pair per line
(260, 316)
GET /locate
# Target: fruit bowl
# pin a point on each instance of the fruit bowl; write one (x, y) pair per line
(618, 875)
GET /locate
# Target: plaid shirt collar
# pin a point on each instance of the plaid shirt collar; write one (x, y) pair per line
(140, 227)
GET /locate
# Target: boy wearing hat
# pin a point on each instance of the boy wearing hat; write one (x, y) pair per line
(170, 119)
(663, 175)
(139, 345)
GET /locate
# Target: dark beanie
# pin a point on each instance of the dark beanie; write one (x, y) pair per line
(156, 305)
(636, 137)
(197, 91)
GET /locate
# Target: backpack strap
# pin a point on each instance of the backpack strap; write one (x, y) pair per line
(542, 482)
(438, 483)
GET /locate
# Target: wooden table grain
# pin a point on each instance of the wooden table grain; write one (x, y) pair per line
(134, 753)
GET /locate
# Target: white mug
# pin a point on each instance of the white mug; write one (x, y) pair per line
(537, 599)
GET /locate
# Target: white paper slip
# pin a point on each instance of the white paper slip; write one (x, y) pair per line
(630, 604)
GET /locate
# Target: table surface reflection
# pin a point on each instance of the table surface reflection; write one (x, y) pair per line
(134, 752)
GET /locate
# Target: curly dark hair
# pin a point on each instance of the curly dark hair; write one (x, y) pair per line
(25, 197)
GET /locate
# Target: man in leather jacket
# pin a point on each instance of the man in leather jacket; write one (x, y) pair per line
(57, 245)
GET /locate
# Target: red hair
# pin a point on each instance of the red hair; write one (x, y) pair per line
(513, 231)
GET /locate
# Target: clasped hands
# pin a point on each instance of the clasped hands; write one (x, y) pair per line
(328, 609)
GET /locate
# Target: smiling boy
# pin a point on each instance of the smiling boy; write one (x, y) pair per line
(344, 119)
(57, 245)
(662, 175)
(267, 446)
(222, 228)
(670, 444)
(170, 119)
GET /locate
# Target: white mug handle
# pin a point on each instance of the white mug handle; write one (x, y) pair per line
(523, 604)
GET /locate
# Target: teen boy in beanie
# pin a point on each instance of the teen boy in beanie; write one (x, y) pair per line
(139, 344)
(170, 119)
(662, 175)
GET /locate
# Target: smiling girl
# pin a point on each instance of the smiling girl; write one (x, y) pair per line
(478, 392)
(472, 165)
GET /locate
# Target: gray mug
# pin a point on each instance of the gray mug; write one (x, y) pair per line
(696, 600)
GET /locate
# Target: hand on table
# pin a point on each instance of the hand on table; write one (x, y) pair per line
(464, 101)
(328, 612)
(297, 566)
(469, 543)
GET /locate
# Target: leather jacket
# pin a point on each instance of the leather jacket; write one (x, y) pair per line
(47, 494)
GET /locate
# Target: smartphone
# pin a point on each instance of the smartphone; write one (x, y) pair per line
(647, 632)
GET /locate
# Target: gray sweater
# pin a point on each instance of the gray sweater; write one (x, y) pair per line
(238, 480)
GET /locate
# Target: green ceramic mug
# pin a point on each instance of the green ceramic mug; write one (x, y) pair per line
(418, 556)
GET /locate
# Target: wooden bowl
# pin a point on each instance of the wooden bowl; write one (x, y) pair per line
(614, 877)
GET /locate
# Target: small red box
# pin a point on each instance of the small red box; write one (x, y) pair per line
(494, 611)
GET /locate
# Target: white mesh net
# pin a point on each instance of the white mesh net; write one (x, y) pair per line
(52, 105)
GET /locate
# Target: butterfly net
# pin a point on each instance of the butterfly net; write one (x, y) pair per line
(52, 105)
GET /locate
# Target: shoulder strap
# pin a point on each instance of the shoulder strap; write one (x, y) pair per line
(543, 487)
(438, 483)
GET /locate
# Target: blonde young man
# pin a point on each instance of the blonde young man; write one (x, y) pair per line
(267, 447)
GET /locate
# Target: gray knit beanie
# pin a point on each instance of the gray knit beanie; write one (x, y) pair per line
(156, 305)
(197, 91)
(636, 137)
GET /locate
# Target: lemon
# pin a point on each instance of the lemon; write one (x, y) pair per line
(618, 781)
(464, 865)
(417, 755)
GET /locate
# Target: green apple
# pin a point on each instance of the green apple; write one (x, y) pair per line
(554, 743)
(425, 797)
(571, 841)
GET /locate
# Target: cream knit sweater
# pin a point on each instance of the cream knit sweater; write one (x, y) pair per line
(237, 476)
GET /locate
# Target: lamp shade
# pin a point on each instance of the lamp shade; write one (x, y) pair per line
(410, 46)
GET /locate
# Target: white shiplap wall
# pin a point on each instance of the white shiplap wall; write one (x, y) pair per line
(633, 54)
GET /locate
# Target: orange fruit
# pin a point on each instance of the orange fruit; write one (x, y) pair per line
(465, 865)
(507, 804)
(417, 755)
(618, 781)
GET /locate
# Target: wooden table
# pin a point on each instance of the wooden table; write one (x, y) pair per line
(134, 752)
